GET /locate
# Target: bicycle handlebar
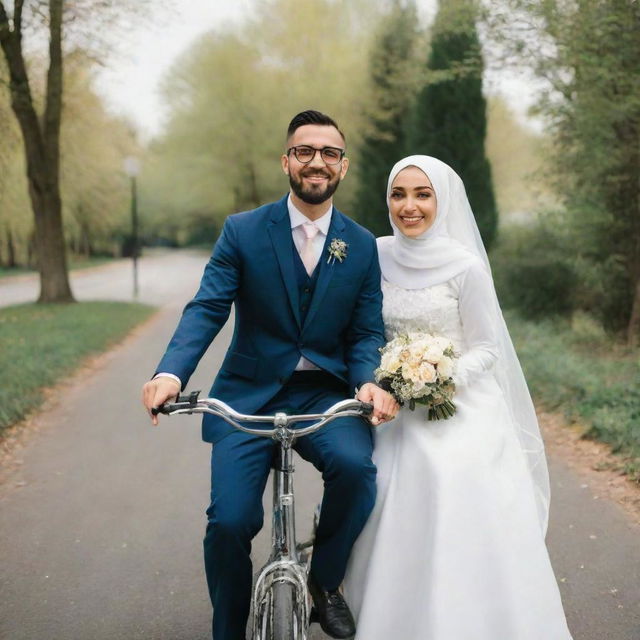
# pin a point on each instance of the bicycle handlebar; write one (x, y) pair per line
(191, 404)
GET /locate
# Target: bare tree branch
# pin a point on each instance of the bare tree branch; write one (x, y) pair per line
(17, 18)
(5, 26)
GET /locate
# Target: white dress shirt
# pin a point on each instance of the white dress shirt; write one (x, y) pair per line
(298, 218)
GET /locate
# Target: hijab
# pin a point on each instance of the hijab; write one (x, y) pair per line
(435, 256)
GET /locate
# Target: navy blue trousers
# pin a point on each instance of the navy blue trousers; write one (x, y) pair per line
(240, 466)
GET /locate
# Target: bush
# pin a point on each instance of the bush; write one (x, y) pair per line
(545, 269)
(533, 271)
(540, 288)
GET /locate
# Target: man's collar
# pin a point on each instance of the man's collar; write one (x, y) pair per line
(297, 217)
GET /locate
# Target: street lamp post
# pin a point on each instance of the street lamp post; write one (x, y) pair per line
(132, 169)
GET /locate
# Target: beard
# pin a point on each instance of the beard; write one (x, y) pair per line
(314, 193)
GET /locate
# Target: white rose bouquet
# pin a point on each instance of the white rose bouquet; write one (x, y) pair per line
(417, 368)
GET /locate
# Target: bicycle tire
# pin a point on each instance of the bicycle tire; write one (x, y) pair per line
(284, 619)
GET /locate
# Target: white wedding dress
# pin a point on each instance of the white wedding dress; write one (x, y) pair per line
(454, 548)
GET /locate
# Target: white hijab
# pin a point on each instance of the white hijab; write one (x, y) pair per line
(449, 247)
(442, 251)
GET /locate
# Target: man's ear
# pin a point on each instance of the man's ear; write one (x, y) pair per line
(345, 167)
(284, 160)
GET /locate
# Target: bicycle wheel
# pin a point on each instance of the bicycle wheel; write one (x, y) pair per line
(284, 623)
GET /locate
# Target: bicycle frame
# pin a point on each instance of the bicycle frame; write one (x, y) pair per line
(285, 565)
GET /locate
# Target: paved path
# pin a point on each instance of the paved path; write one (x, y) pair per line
(101, 527)
(161, 274)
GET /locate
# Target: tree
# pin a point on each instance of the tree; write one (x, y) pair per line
(41, 132)
(231, 96)
(42, 145)
(95, 193)
(14, 228)
(588, 53)
(449, 121)
(393, 78)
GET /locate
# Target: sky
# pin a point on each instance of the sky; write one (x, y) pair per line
(130, 82)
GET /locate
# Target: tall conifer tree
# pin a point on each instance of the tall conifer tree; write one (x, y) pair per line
(393, 68)
(449, 120)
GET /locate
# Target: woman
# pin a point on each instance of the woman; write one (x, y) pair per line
(454, 549)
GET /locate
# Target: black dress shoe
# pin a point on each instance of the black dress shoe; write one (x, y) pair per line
(332, 612)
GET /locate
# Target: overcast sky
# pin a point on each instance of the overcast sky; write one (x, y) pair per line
(130, 83)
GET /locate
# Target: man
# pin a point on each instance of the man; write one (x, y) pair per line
(305, 282)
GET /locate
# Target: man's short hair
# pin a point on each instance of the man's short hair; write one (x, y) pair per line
(312, 117)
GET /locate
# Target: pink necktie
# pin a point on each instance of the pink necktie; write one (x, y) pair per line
(308, 253)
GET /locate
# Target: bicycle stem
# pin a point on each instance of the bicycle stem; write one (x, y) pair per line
(283, 536)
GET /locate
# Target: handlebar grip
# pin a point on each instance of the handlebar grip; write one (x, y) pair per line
(163, 408)
(182, 402)
(367, 409)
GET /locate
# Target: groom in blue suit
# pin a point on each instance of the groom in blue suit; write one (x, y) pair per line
(305, 283)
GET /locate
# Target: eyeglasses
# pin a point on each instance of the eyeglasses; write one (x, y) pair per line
(305, 154)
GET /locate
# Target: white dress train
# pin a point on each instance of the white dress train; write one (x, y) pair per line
(454, 548)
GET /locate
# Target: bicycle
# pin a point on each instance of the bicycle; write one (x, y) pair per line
(281, 599)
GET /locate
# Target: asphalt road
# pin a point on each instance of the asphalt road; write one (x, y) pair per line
(165, 278)
(103, 515)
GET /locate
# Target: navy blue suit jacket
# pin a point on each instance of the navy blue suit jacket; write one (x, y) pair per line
(252, 267)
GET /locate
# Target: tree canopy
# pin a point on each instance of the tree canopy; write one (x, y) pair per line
(449, 120)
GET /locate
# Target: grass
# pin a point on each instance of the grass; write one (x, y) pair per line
(75, 262)
(5, 272)
(573, 366)
(40, 344)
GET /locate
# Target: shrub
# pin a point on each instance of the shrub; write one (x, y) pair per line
(533, 271)
(540, 288)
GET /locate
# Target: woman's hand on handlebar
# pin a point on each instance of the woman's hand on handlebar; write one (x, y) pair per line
(384, 404)
(158, 391)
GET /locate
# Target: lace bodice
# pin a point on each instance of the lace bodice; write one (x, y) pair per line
(458, 309)
(434, 310)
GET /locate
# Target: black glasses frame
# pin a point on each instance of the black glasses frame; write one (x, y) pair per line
(315, 150)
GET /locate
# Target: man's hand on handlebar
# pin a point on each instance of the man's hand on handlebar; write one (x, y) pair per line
(384, 404)
(158, 391)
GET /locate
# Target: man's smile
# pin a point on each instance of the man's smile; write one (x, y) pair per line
(316, 177)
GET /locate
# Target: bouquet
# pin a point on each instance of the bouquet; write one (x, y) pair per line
(417, 368)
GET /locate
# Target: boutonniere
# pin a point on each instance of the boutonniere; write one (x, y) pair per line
(337, 250)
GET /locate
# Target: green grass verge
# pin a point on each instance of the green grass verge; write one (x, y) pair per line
(14, 271)
(575, 367)
(41, 344)
(75, 262)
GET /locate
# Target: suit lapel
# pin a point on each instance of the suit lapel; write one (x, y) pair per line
(279, 230)
(327, 267)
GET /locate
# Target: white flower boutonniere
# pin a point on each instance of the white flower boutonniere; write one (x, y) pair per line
(337, 250)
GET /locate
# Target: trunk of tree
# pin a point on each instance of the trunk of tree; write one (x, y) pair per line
(42, 147)
(3, 262)
(85, 247)
(11, 251)
(32, 258)
(633, 328)
(49, 242)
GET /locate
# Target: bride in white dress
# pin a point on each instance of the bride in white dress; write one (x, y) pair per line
(454, 549)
